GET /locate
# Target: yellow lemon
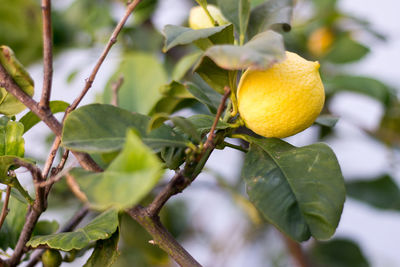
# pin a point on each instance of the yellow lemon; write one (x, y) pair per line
(198, 18)
(282, 100)
(320, 41)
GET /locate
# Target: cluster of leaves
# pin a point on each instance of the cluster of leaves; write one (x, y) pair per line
(299, 190)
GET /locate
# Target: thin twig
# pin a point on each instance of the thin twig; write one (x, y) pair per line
(55, 172)
(51, 157)
(47, 54)
(113, 39)
(69, 226)
(45, 115)
(211, 136)
(162, 237)
(114, 90)
(5, 210)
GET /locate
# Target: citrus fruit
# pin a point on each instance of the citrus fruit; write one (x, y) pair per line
(51, 258)
(320, 41)
(282, 100)
(198, 18)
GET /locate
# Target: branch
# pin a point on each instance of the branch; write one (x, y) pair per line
(47, 55)
(114, 90)
(180, 181)
(148, 216)
(51, 157)
(113, 39)
(297, 253)
(162, 237)
(45, 115)
(5, 209)
(221, 108)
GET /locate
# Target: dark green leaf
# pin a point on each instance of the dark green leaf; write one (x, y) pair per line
(13, 224)
(359, 84)
(382, 192)
(205, 95)
(272, 14)
(136, 168)
(184, 64)
(102, 128)
(215, 76)
(9, 105)
(101, 227)
(327, 120)
(346, 50)
(30, 119)
(105, 252)
(299, 190)
(143, 76)
(204, 38)
(338, 253)
(260, 53)
(203, 123)
(237, 12)
(173, 157)
(187, 127)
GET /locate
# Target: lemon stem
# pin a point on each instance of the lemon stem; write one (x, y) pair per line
(213, 21)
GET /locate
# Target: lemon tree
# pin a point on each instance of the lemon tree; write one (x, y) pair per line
(233, 66)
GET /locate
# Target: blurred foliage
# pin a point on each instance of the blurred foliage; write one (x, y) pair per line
(149, 83)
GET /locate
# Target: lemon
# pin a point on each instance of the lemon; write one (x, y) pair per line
(198, 18)
(320, 41)
(282, 100)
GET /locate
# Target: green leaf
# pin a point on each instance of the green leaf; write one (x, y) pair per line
(327, 120)
(203, 123)
(204, 38)
(13, 224)
(260, 53)
(173, 157)
(215, 76)
(237, 12)
(271, 15)
(105, 252)
(11, 141)
(45, 228)
(100, 128)
(205, 95)
(338, 253)
(9, 105)
(143, 76)
(187, 127)
(136, 168)
(30, 119)
(299, 190)
(359, 84)
(184, 64)
(101, 227)
(346, 50)
(382, 192)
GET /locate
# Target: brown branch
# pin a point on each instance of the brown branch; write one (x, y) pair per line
(5, 210)
(162, 237)
(69, 226)
(221, 108)
(114, 90)
(45, 115)
(51, 157)
(113, 39)
(296, 252)
(47, 55)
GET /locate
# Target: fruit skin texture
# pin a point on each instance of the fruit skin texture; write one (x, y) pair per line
(282, 100)
(198, 18)
(51, 258)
